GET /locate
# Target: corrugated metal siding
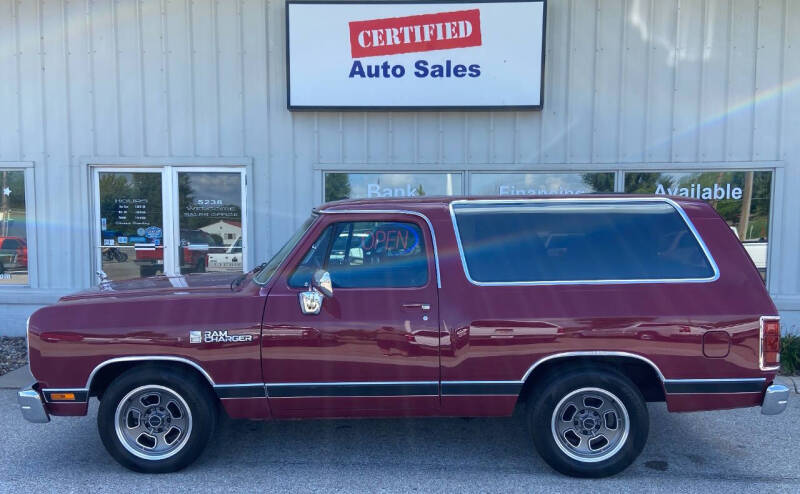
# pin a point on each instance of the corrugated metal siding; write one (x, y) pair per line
(627, 81)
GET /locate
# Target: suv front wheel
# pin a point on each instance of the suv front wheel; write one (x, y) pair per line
(156, 419)
(589, 422)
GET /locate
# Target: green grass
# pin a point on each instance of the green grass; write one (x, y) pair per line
(790, 354)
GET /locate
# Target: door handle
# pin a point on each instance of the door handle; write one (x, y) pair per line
(417, 306)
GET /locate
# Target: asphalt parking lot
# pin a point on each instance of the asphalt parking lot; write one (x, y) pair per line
(713, 451)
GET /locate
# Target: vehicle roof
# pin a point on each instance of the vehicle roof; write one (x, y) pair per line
(413, 203)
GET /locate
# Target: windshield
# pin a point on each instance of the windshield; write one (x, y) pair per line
(265, 274)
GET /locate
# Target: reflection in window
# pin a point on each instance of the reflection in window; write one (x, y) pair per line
(742, 198)
(210, 221)
(563, 242)
(367, 254)
(340, 186)
(13, 231)
(537, 184)
(131, 224)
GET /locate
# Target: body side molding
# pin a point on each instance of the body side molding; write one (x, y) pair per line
(404, 388)
(247, 390)
(709, 386)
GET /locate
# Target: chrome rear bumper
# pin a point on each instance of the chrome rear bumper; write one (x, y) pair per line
(30, 403)
(775, 399)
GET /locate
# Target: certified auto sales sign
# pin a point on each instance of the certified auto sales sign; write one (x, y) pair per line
(406, 55)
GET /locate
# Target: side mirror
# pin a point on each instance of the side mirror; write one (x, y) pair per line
(322, 282)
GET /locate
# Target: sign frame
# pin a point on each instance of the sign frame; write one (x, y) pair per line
(425, 108)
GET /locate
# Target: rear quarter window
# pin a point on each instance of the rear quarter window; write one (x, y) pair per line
(581, 241)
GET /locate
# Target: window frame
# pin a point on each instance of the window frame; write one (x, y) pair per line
(169, 168)
(587, 199)
(28, 169)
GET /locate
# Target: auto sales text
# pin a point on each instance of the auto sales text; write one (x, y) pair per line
(422, 69)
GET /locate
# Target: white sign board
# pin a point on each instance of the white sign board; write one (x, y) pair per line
(431, 55)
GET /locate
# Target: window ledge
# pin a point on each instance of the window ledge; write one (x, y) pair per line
(20, 295)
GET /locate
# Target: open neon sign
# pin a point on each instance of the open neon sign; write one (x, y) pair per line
(395, 239)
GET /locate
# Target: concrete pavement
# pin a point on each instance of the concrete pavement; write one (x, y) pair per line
(16, 378)
(712, 451)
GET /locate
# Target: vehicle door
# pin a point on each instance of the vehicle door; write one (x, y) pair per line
(373, 347)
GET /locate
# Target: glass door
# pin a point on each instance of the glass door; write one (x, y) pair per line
(210, 221)
(169, 220)
(130, 240)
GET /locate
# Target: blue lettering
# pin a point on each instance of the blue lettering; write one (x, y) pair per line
(398, 71)
(422, 68)
(357, 69)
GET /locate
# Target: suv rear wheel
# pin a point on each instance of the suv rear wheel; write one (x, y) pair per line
(156, 419)
(589, 422)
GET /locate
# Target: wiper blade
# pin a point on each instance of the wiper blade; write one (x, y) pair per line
(239, 279)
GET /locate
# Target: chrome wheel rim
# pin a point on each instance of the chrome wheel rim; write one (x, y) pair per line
(153, 422)
(590, 425)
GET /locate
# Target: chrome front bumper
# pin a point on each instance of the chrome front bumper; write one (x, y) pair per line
(775, 400)
(30, 403)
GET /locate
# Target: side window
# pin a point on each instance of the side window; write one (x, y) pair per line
(313, 260)
(582, 241)
(367, 254)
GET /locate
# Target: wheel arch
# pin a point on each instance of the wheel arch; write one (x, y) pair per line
(643, 372)
(105, 372)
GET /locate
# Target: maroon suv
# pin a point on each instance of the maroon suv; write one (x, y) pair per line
(575, 311)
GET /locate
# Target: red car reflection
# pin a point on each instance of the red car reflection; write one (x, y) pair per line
(195, 246)
(13, 254)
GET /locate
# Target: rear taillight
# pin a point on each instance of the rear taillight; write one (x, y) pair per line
(770, 343)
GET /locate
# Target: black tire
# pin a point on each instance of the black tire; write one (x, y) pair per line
(200, 267)
(191, 391)
(121, 256)
(2, 268)
(578, 386)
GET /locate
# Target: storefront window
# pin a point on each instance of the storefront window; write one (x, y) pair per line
(131, 224)
(534, 184)
(137, 212)
(340, 186)
(210, 221)
(13, 230)
(742, 198)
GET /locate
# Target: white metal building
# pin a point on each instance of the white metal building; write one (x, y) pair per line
(129, 125)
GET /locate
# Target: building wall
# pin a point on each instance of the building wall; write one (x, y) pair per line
(629, 84)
